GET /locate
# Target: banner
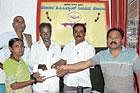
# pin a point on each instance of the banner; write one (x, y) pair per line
(63, 15)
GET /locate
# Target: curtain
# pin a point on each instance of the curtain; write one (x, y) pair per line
(138, 47)
(119, 15)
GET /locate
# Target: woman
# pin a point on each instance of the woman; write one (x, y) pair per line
(17, 73)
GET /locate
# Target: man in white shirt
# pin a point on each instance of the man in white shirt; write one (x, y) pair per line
(44, 53)
(74, 52)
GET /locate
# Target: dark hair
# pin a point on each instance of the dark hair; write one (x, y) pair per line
(13, 40)
(43, 25)
(116, 29)
(80, 24)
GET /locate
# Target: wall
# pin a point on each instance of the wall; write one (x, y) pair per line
(12, 8)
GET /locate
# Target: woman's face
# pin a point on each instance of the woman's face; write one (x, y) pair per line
(17, 48)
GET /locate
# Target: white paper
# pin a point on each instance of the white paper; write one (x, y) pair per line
(48, 73)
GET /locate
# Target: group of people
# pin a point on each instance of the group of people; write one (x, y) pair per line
(28, 66)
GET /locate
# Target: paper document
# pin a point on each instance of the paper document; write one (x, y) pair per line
(48, 73)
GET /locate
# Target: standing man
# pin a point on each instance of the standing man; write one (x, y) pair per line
(75, 51)
(44, 53)
(118, 64)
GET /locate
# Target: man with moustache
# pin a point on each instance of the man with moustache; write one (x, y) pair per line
(44, 53)
(75, 51)
(118, 64)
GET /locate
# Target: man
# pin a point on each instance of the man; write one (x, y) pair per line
(19, 27)
(118, 64)
(74, 52)
(44, 53)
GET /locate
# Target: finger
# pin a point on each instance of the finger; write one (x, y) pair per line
(53, 66)
(35, 75)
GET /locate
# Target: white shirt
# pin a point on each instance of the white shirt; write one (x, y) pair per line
(40, 55)
(4, 44)
(75, 53)
(2, 76)
(2, 73)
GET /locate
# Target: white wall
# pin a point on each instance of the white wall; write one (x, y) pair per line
(11, 8)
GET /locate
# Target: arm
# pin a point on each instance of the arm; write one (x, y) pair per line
(19, 85)
(136, 68)
(138, 80)
(33, 56)
(35, 77)
(72, 68)
(63, 57)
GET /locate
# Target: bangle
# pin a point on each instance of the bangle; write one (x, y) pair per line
(33, 78)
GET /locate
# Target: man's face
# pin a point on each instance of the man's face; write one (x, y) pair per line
(17, 49)
(19, 24)
(114, 40)
(79, 34)
(46, 34)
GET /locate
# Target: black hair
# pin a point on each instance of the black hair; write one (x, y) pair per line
(116, 29)
(80, 24)
(43, 25)
(13, 40)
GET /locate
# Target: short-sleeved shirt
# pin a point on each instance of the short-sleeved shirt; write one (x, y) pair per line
(118, 72)
(16, 72)
(73, 54)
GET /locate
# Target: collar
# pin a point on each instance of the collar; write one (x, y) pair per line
(123, 49)
(80, 43)
(14, 33)
(42, 43)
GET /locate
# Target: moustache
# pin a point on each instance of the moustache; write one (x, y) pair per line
(78, 36)
(46, 40)
(113, 42)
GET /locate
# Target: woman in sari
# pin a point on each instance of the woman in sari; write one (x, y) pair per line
(17, 73)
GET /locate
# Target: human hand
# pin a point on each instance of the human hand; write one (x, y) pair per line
(59, 63)
(55, 65)
(36, 76)
(61, 70)
(40, 79)
(42, 66)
